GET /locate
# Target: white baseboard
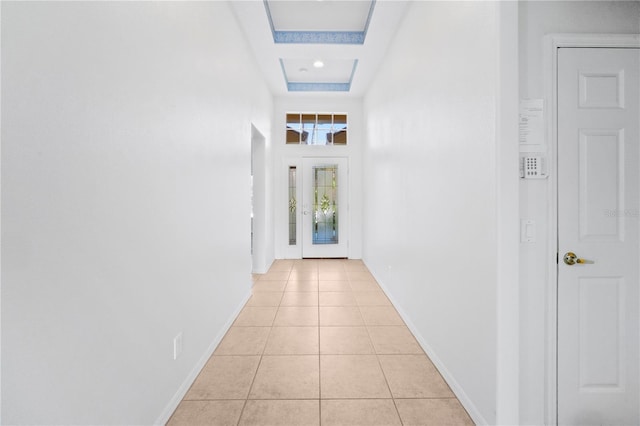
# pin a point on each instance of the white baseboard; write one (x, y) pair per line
(466, 402)
(184, 388)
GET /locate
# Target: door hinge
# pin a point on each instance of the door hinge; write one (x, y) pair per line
(557, 258)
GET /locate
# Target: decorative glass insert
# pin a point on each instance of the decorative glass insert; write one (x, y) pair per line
(293, 206)
(316, 129)
(325, 207)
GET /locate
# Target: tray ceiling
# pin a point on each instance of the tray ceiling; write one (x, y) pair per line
(348, 37)
(313, 15)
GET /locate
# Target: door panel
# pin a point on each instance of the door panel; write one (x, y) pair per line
(598, 214)
(324, 207)
(601, 183)
(601, 307)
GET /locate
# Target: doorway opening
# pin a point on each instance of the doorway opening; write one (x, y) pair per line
(258, 202)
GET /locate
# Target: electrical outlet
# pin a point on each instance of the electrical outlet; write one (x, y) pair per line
(177, 346)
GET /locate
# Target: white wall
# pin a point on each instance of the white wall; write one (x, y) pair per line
(538, 18)
(430, 189)
(262, 233)
(126, 144)
(282, 151)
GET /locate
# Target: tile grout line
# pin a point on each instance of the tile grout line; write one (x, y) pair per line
(246, 400)
(319, 356)
(380, 364)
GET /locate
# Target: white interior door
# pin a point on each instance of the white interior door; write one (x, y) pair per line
(324, 207)
(598, 215)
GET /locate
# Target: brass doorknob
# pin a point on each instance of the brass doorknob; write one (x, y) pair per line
(570, 258)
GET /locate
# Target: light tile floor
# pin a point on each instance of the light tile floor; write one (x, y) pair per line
(319, 343)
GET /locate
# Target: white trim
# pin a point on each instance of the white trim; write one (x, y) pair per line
(507, 214)
(193, 375)
(259, 162)
(0, 228)
(551, 44)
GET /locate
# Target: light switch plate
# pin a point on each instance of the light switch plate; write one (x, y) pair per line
(527, 231)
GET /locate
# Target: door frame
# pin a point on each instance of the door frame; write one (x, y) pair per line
(296, 251)
(552, 43)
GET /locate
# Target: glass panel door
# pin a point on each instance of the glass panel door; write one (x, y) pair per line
(325, 207)
(293, 205)
(325, 184)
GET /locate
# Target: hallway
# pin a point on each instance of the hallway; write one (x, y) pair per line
(319, 343)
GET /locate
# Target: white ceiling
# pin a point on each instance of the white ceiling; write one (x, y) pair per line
(349, 36)
(314, 15)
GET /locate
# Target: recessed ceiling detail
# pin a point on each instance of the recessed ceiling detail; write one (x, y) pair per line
(336, 75)
(331, 31)
(319, 22)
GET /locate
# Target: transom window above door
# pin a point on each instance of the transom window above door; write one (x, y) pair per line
(316, 129)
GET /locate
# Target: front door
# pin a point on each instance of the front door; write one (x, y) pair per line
(324, 207)
(598, 244)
